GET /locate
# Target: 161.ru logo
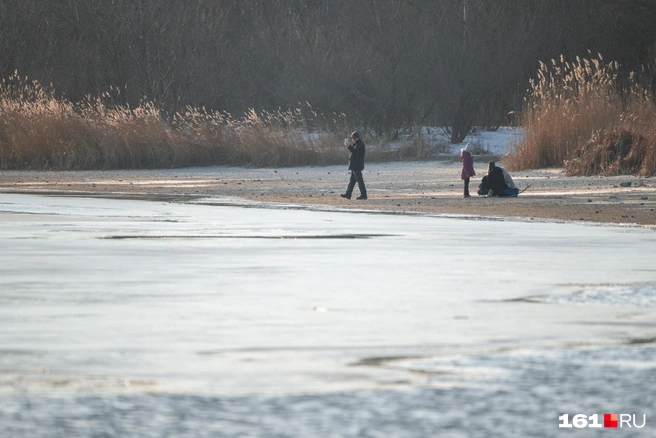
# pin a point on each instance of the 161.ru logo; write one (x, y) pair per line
(610, 420)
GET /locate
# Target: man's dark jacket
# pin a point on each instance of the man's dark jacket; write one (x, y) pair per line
(356, 160)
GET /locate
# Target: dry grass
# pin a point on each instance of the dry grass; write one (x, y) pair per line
(42, 131)
(39, 130)
(578, 115)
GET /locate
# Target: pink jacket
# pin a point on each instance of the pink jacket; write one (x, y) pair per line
(467, 165)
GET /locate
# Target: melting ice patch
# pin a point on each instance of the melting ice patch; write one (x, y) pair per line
(630, 294)
(37, 205)
(506, 368)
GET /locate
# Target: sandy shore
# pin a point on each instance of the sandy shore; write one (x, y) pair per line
(426, 187)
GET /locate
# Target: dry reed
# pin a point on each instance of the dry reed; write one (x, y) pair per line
(39, 130)
(42, 131)
(577, 114)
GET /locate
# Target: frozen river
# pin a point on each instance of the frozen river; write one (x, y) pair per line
(134, 318)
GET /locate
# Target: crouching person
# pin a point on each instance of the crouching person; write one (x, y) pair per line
(497, 182)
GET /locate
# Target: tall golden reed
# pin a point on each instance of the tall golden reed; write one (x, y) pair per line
(39, 130)
(575, 111)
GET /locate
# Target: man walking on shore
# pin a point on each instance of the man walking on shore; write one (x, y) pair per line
(356, 165)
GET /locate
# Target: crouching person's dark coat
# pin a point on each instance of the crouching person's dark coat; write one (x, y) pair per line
(497, 181)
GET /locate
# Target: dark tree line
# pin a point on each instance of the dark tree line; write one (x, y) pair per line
(385, 64)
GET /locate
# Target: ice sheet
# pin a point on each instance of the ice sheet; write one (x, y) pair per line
(104, 302)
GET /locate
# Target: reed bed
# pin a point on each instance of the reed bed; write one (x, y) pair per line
(580, 115)
(41, 131)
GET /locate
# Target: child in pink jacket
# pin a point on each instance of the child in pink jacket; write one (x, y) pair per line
(467, 167)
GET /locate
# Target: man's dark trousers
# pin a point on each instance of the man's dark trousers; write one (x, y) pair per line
(356, 176)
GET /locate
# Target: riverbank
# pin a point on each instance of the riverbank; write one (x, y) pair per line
(404, 187)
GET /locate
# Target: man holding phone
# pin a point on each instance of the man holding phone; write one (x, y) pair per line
(356, 165)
